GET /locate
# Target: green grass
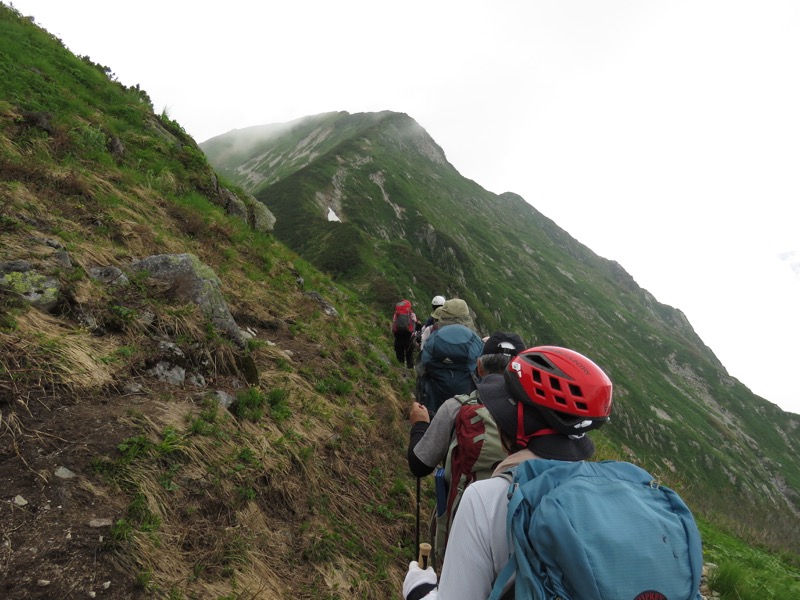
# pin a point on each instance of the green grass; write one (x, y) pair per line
(250, 404)
(745, 572)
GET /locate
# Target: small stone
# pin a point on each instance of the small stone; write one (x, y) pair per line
(171, 347)
(166, 372)
(224, 398)
(101, 523)
(20, 501)
(92, 594)
(112, 275)
(64, 473)
(62, 258)
(197, 380)
(43, 582)
(133, 388)
(106, 585)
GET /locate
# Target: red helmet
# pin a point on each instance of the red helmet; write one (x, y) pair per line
(570, 391)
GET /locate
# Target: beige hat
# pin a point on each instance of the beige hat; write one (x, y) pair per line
(453, 312)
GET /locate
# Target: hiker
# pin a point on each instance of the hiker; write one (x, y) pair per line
(427, 327)
(462, 437)
(430, 439)
(546, 395)
(404, 328)
(449, 356)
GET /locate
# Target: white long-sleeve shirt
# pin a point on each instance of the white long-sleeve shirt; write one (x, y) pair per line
(478, 548)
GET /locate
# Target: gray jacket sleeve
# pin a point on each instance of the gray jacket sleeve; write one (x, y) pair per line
(432, 447)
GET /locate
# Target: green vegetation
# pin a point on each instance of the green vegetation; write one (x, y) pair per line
(250, 404)
(744, 572)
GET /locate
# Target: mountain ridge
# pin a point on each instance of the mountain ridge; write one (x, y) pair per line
(560, 238)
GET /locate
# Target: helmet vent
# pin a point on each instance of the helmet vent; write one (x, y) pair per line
(555, 384)
(581, 406)
(560, 400)
(540, 392)
(575, 390)
(540, 360)
(537, 376)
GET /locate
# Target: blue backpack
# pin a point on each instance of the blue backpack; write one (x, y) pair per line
(449, 358)
(598, 531)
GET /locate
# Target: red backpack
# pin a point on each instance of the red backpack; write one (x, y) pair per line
(403, 319)
(474, 452)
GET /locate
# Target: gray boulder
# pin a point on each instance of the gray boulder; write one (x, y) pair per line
(234, 205)
(168, 373)
(199, 283)
(15, 266)
(40, 290)
(262, 219)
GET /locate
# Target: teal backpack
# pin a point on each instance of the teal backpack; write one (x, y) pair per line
(449, 358)
(598, 531)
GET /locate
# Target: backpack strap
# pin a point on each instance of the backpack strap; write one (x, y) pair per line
(511, 566)
(465, 399)
(503, 578)
(475, 382)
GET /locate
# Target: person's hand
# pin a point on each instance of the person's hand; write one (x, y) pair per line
(417, 577)
(418, 414)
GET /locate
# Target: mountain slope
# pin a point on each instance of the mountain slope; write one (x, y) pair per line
(187, 409)
(411, 226)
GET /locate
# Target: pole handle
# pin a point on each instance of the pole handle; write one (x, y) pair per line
(424, 555)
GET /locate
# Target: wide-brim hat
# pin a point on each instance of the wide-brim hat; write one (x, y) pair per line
(505, 410)
(453, 312)
(455, 308)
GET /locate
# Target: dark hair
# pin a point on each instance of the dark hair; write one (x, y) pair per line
(494, 363)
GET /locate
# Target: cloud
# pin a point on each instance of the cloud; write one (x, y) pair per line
(793, 260)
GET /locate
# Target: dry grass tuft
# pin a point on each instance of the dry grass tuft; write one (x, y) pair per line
(41, 355)
(88, 255)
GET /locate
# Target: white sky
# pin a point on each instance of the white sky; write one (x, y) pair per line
(663, 135)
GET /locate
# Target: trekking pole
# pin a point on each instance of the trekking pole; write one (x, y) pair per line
(424, 555)
(424, 548)
(418, 489)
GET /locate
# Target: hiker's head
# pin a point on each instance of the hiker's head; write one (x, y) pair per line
(437, 302)
(498, 350)
(551, 398)
(569, 389)
(452, 312)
